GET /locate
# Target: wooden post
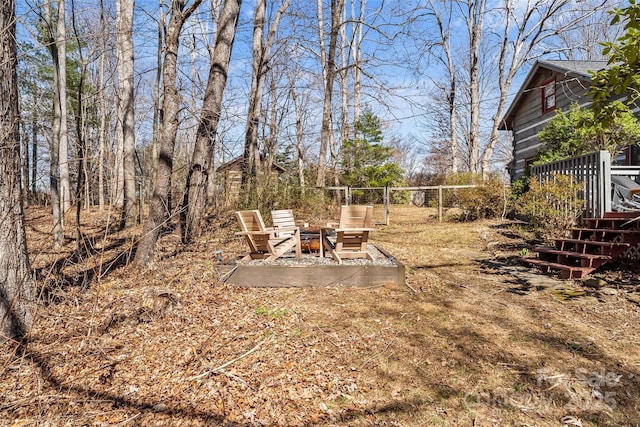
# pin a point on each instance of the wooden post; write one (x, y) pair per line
(439, 203)
(386, 205)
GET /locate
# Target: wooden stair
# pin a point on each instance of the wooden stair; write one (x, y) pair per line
(598, 242)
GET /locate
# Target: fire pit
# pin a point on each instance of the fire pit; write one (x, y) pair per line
(313, 270)
(310, 239)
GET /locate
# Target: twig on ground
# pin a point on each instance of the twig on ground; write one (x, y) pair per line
(128, 420)
(329, 339)
(366, 362)
(230, 362)
(410, 287)
(235, 377)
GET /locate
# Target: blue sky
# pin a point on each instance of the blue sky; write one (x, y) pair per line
(395, 91)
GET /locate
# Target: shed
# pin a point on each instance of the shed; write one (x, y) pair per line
(229, 176)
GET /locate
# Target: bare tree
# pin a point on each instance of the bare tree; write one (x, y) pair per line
(475, 19)
(524, 30)
(300, 99)
(261, 57)
(126, 134)
(344, 87)
(17, 291)
(102, 132)
(583, 40)
(201, 161)
(442, 51)
(157, 96)
(158, 209)
(481, 63)
(328, 62)
(356, 49)
(59, 168)
(80, 129)
(63, 148)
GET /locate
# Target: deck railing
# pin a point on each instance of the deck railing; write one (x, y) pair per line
(593, 170)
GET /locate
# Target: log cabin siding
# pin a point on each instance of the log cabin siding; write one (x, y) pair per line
(525, 116)
(229, 178)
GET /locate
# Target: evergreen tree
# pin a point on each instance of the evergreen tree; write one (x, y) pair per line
(366, 161)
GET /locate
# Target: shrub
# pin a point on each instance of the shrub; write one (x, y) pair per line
(488, 200)
(552, 206)
(309, 202)
(519, 187)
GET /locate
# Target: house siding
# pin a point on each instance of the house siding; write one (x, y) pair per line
(528, 119)
(525, 117)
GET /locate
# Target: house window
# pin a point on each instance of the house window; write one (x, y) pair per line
(528, 162)
(549, 95)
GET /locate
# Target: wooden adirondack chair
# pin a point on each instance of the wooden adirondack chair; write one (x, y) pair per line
(351, 234)
(262, 241)
(283, 219)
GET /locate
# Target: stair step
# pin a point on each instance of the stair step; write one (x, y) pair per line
(627, 215)
(570, 258)
(611, 222)
(605, 230)
(591, 234)
(593, 243)
(566, 271)
(580, 255)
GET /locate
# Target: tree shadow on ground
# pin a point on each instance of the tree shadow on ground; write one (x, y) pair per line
(581, 362)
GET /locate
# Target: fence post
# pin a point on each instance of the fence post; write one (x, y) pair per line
(385, 196)
(439, 203)
(605, 184)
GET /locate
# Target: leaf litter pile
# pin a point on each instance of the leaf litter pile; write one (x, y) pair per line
(473, 338)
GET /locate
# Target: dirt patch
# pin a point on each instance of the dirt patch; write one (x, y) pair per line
(474, 338)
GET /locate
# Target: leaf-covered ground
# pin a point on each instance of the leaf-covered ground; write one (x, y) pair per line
(473, 338)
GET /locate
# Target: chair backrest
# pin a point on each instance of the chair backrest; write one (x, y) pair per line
(252, 221)
(283, 218)
(356, 216)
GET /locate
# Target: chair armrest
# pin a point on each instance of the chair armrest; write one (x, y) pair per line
(253, 233)
(329, 226)
(281, 229)
(352, 230)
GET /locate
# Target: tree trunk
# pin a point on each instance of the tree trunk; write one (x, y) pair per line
(271, 142)
(261, 49)
(34, 153)
(196, 200)
(54, 163)
(124, 26)
(158, 212)
(476, 15)
(157, 111)
(80, 132)
(329, 72)
(299, 137)
(24, 167)
(445, 43)
(344, 82)
(251, 154)
(63, 147)
(102, 132)
(17, 291)
(357, 62)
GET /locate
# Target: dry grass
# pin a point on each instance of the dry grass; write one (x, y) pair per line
(473, 339)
